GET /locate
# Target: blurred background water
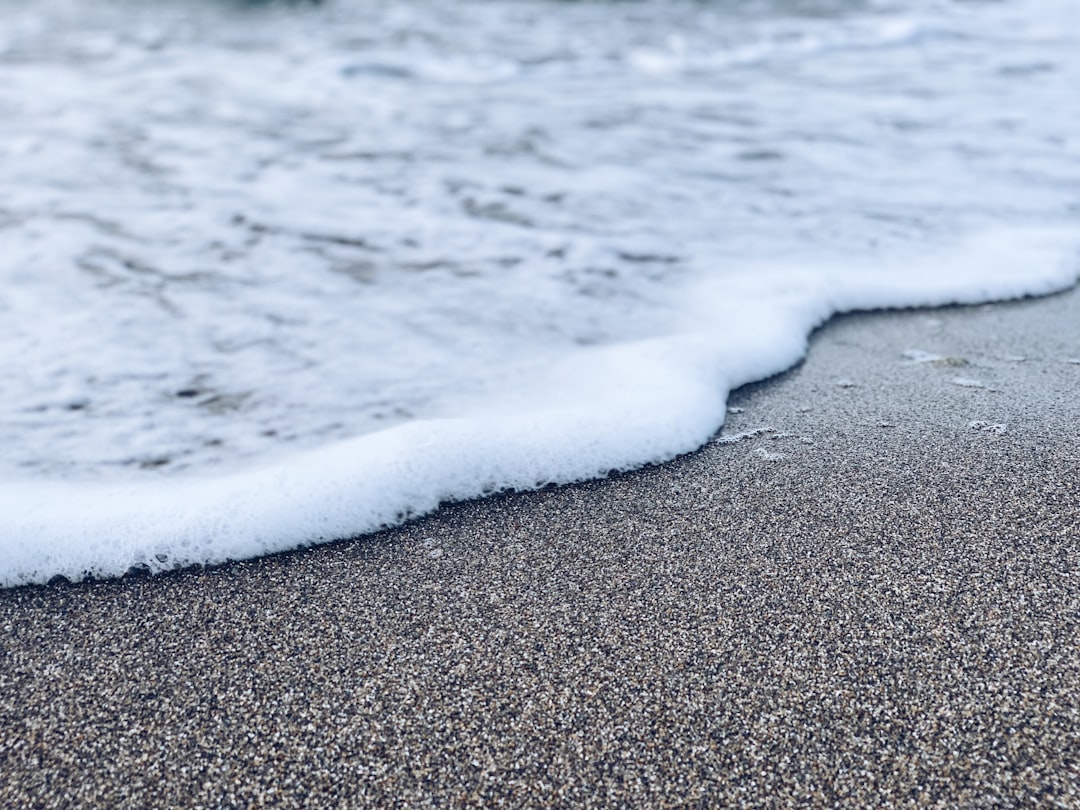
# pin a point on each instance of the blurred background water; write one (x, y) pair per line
(232, 230)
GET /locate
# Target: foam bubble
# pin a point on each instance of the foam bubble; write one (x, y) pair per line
(602, 409)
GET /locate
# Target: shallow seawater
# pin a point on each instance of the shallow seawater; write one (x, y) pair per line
(232, 232)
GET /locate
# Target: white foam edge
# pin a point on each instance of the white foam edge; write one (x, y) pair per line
(611, 408)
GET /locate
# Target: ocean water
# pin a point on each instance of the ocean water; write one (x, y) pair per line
(276, 274)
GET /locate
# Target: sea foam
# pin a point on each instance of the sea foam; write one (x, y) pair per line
(599, 409)
(275, 274)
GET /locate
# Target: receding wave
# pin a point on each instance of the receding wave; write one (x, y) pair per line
(277, 276)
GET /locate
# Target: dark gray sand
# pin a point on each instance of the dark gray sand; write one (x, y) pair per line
(876, 603)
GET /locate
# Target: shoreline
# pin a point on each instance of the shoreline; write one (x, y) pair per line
(606, 408)
(872, 598)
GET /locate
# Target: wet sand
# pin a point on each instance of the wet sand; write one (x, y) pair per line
(873, 600)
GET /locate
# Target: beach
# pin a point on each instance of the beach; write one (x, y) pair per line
(865, 593)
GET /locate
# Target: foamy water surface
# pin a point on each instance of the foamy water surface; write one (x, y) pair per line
(276, 275)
